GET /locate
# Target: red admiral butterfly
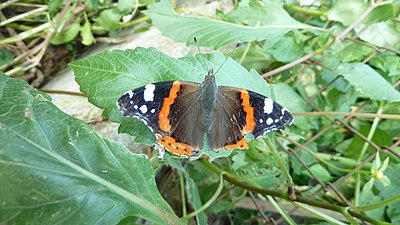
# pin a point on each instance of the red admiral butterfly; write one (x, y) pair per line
(182, 114)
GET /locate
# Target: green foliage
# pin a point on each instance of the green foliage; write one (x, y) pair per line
(368, 83)
(183, 28)
(56, 169)
(312, 63)
(348, 11)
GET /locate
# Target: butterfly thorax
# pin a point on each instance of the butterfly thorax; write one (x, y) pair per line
(208, 99)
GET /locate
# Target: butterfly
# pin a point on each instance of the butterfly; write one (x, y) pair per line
(185, 116)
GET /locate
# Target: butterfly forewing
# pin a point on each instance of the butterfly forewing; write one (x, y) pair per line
(268, 114)
(145, 103)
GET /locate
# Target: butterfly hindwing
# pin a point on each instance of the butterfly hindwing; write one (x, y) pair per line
(228, 121)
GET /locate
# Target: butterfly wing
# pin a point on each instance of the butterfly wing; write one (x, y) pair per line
(170, 110)
(239, 112)
(145, 103)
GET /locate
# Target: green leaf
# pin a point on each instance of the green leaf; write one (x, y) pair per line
(380, 34)
(64, 36)
(389, 63)
(286, 49)
(347, 12)
(67, 35)
(108, 18)
(320, 172)
(5, 56)
(393, 212)
(130, 69)
(86, 33)
(217, 33)
(55, 6)
(286, 96)
(239, 160)
(126, 6)
(368, 82)
(353, 52)
(256, 57)
(56, 169)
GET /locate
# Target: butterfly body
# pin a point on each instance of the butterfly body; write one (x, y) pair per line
(184, 114)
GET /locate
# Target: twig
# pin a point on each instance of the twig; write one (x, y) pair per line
(298, 61)
(351, 114)
(7, 3)
(267, 221)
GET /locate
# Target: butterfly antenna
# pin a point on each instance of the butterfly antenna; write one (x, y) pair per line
(198, 49)
(230, 55)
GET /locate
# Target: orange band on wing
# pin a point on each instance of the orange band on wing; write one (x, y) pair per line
(242, 143)
(249, 110)
(163, 119)
(175, 147)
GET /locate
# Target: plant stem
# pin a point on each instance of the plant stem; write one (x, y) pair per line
(121, 25)
(303, 10)
(317, 156)
(343, 160)
(210, 201)
(280, 162)
(25, 34)
(183, 196)
(284, 214)
(354, 114)
(371, 133)
(278, 194)
(320, 214)
(23, 15)
(377, 205)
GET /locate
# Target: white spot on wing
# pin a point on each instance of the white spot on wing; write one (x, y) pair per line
(153, 110)
(283, 110)
(149, 92)
(135, 106)
(268, 105)
(261, 120)
(130, 93)
(269, 121)
(143, 109)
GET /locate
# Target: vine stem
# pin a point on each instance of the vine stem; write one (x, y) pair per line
(281, 195)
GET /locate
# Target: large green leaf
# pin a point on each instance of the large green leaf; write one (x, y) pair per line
(56, 169)
(217, 33)
(380, 34)
(106, 76)
(368, 82)
(349, 11)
